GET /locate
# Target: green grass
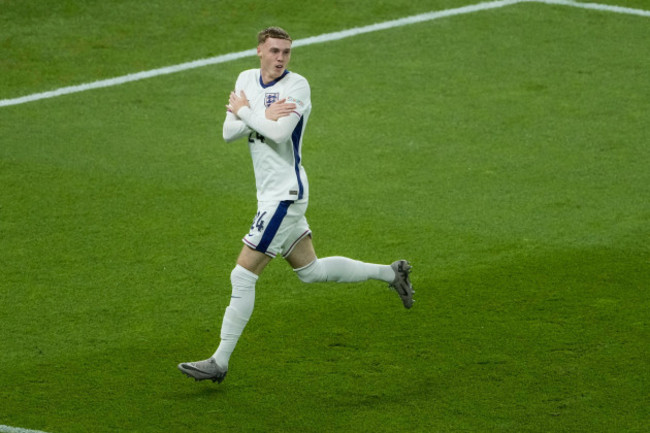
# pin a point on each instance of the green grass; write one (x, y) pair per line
(505, 153)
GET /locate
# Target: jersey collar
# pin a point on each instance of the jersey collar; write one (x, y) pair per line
(264, 86)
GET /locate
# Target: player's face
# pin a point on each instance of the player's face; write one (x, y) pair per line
(274, 57)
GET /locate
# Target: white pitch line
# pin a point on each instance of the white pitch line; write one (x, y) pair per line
(413, 19)
(7, 429)
(128, 78)
(327, 37)
(595, 6)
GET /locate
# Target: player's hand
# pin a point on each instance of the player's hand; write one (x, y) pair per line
(236, 102)
(279, 109)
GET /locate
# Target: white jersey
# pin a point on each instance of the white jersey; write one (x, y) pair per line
(275, 146)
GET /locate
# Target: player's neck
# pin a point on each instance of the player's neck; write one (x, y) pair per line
(268, 79)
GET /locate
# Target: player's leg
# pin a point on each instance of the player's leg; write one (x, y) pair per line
(252, 260)
(311, 269)
(243, 278)
(267, 234)
(302, 254)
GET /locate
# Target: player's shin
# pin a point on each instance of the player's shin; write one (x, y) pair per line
(237, 314)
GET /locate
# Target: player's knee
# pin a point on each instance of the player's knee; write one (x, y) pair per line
(312, 273)
(241, 277)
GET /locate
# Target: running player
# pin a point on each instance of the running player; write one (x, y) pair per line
(271, 106)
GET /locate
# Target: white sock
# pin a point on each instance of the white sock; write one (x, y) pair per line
(237, 313)
(344, 270)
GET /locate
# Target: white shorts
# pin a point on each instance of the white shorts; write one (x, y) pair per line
(278, 227)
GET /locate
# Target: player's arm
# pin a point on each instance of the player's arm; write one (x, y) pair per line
(277, 131)
(279, 109)
(234, 128)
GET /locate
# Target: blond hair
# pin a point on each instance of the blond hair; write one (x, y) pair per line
(272, 32)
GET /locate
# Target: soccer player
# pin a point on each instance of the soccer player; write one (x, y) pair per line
(271, 106)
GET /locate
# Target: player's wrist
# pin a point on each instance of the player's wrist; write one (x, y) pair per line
(243, 108)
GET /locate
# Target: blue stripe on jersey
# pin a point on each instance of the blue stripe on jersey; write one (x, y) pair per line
(264, 86)
(295, 139)
(273, 226)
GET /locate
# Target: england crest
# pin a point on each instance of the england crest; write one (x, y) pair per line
(270, 98)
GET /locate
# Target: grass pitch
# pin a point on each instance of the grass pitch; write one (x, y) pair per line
(504, 153)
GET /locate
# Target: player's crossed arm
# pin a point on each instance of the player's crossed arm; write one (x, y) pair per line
(279, 109)
(275, 111)
(278, 130)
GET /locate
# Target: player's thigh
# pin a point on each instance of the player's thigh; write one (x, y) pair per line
(302, 254)
(278, 228)
(252, 260)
